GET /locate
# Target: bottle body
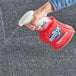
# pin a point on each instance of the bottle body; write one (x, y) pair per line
(56, 34)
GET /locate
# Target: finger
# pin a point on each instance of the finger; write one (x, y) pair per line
(30, 26)
(33, 28)
(38, 27)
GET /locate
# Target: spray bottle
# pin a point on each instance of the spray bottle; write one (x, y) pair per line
(55, 33)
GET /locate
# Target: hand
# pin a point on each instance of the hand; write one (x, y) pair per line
(38, 14)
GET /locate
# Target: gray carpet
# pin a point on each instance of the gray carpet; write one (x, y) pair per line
(21, 51)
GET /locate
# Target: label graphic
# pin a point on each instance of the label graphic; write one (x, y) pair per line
(54, 34)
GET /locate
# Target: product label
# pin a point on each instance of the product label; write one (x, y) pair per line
(56, 33)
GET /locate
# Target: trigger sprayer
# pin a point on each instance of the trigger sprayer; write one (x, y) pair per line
(28, 17)
(55, 33)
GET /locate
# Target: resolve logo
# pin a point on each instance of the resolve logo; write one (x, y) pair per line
(54, 34)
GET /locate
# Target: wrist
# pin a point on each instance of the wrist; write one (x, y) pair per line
(47, 8)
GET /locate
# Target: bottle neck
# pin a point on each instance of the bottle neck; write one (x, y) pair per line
(43, 22)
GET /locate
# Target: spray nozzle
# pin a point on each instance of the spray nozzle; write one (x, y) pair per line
(26, 18)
